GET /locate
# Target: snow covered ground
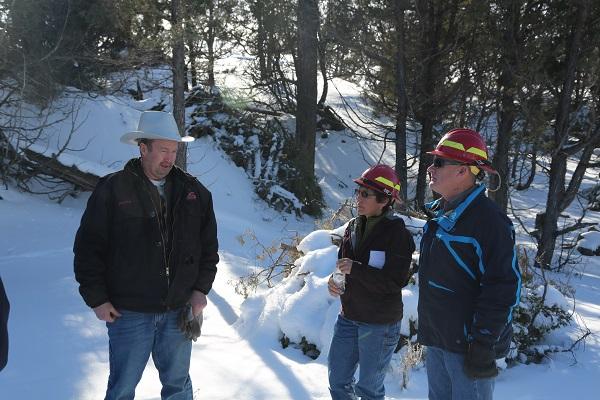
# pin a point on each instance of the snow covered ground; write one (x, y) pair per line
(59, 350)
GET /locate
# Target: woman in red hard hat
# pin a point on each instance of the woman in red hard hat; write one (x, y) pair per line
(373, 261)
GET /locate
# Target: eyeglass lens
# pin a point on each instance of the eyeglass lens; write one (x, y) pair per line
(362, 193)
(440, 162)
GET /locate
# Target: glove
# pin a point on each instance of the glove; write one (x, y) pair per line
(188, 324)
(480, 361)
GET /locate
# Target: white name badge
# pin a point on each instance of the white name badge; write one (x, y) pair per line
(377, 259)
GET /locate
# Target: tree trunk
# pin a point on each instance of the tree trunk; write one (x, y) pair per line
(210, 44)
(303, 157)
(507, 112)
(306, 121)
(193, 72)
(261, 38)
(424, 159)
(179, 79)
(323, 67)
(401, 103)
(549, 222)
(192, 54)
(429, 111)
(558, 165)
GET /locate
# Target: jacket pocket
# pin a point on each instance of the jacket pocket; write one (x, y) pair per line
(439, 286)
(502, 346)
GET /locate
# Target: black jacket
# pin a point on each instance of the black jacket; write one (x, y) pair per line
(469, 279)
(4, 310)
(374, 293)
(123, 256)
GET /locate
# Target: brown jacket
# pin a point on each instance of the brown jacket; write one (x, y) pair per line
(380, 270)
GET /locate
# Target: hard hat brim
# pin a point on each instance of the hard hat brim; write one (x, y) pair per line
(359, 181)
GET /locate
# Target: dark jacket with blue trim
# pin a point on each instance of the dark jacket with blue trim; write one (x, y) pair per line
(374, 293)
(469, 279)
(128, 252)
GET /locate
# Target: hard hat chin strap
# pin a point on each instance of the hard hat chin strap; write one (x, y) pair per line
(475, 171)
(499, 182)
(480, 174)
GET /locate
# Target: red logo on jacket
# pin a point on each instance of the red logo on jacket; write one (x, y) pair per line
(191, 196)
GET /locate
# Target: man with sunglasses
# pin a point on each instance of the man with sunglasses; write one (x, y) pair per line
(374, 258)
(469, 280)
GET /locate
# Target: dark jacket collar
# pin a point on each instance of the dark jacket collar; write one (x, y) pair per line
(447, 219)
(452, 204)
(358, 242)
(135, 166)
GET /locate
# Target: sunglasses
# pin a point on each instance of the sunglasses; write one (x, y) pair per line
(442, 162)
(365, 194)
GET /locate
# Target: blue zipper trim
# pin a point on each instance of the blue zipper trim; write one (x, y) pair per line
(447, 221)
(448, 239)
(435, 285)
(515, 268)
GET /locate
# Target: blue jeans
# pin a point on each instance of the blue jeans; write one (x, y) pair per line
(132, 338)
(371, 346)
(447, 380)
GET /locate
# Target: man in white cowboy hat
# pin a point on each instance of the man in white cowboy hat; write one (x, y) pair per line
(145, 259)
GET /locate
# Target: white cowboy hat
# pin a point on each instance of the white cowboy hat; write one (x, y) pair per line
(155, 125)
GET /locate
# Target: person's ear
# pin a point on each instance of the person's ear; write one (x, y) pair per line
(143, 149)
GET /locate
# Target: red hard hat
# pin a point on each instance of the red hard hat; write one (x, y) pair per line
(382, 179)
(466, 146)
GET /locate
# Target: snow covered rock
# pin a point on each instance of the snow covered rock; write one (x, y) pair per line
(593, 197)
(299, 310)
(315, 240)
(589, 243)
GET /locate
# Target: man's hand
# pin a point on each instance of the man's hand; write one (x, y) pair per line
(344, 265)
(480, 361)
(106, 312)
(198, 302)
(334, 290)
(190, 325)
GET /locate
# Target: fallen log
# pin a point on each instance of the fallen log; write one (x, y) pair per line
(51, 166)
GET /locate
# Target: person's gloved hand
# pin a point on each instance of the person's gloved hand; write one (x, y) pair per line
(480, 361)
(188, 324)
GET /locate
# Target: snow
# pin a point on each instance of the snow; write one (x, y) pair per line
(303, 309)
(410, 298)
(553, 297)
(590, 241)
(59, 350)
(277, 190)
(310, 312)
(315, 240)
